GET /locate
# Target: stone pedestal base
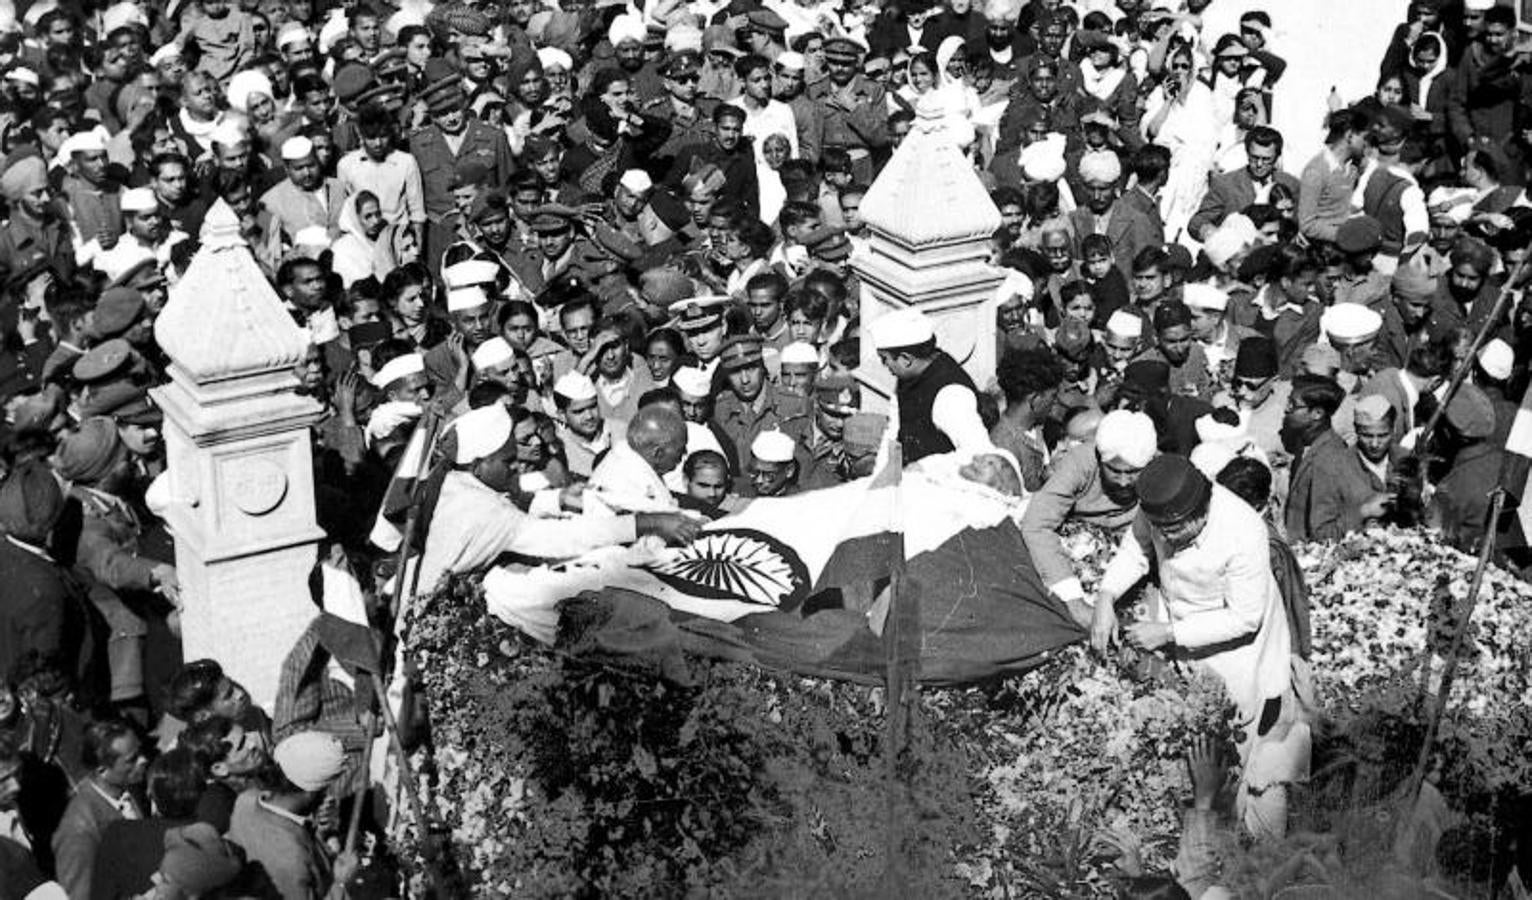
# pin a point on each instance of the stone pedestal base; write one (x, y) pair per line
(247, 613)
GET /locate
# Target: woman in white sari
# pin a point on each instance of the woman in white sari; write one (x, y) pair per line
(1180, 116)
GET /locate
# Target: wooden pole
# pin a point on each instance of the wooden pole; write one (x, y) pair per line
(1459, 634)
(901, 645)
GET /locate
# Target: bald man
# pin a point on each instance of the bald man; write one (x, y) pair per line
(631, 477)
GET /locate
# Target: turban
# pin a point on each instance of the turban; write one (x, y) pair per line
(310, 759)
(1411, 282)
(1101, 166)
(89, 454)
(1471, 412)
(243, 84)
(1126, 437)
(626, 27)
(30, 502)
(23, 177)
(1044, 160)
(664, 286)
(554, 58)
(1223, 245)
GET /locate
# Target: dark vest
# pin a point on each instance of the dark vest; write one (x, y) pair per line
(1381, 200)
(918, 435)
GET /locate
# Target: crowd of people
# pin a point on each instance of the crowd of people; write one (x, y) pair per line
(595, 269)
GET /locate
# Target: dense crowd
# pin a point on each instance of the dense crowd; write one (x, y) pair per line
(585, 274)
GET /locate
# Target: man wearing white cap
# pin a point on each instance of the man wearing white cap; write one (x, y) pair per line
(773, 464)
(1124, 339)
(91, 189)
(694, 387)
(1352, 329)
(472, 311)
(306, 197)
(798, 368)
(475, 522)
(1218, 337)
(586, 435)
(788, 87)
(148, 237)
(274, 827)
(935, 402)
(1093, 483)
(497, 361)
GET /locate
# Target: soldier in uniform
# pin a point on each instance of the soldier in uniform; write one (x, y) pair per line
(700, 321)
(689, 114)
(835, 401)
(855, 109)
(751, 403)
(100, 468)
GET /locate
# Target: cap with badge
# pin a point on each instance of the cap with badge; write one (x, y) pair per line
(117, 311)
(902, 328)
(837, 394)
(1350, 323)
(828, 244)
(767, 21)
(1359, 234)
(552, 218)
(103, 361)
(398, 369)
(683, 64)
(122, 400)
(741, 352)
(699, 313)
(842, 50)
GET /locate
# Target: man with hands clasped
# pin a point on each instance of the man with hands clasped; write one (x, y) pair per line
(1208, 552)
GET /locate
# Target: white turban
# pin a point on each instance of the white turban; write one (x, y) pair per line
(243, 84)
(1223, 245)
(310, 759)
(554, 58)
(1126, 437)
(1044, 160)
(1101, 166)
(626, 27)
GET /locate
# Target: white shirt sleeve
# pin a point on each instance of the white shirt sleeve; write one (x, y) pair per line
(1417, 221)
(955, 412)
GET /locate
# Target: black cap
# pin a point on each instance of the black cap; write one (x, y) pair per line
(1170, 489)
(1257, 358)
(1171, 315)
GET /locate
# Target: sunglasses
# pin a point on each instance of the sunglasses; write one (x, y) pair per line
(692, 78)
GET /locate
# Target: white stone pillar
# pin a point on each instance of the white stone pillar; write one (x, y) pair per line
(240, 472)
(931, 221)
